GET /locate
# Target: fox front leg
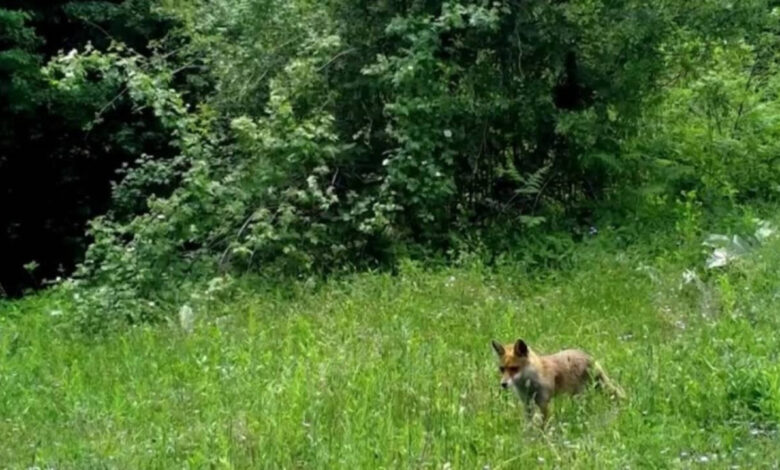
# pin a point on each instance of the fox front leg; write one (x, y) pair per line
(529, 409)
(543, 402)
(544, 407)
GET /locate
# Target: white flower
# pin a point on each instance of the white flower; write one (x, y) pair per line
(689, 276)
(764, 231)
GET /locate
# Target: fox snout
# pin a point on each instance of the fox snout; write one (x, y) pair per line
(505, 383)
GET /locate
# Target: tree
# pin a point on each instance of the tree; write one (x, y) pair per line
(54, 174)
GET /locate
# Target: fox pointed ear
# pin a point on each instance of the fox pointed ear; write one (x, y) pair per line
(498, 347)
(521, 349)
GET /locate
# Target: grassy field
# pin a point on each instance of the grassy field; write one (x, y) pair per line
(380, 371)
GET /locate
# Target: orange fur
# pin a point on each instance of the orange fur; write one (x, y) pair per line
(539, 378)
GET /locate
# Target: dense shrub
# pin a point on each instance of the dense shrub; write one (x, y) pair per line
(345, 133)
(716, 132)
(54, 174)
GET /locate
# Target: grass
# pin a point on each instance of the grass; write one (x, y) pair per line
(378, 371)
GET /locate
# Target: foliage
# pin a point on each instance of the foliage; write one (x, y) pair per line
(298, 138)
(472, 112)
(54, 174)
(716, 135)
(210, 206)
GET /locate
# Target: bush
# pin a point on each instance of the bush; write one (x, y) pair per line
(472, 115)
(716, 134)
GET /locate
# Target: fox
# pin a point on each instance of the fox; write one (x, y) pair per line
(538, 378)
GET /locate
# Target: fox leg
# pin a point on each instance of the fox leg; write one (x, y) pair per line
(542, 400)
(529, 409)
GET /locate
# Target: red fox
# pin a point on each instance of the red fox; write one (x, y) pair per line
(538, 378)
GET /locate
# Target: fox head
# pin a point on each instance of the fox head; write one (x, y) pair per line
(512, 359)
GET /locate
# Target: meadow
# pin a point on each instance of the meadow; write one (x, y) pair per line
(396, 371)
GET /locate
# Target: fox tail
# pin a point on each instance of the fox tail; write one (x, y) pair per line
(603, 380)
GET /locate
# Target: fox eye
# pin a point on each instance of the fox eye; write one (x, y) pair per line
(513, 370)
(501, 369)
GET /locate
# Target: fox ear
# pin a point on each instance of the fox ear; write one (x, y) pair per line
(521, 349)
(499, 349)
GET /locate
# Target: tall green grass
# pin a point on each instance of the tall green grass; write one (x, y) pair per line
(381, 371)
